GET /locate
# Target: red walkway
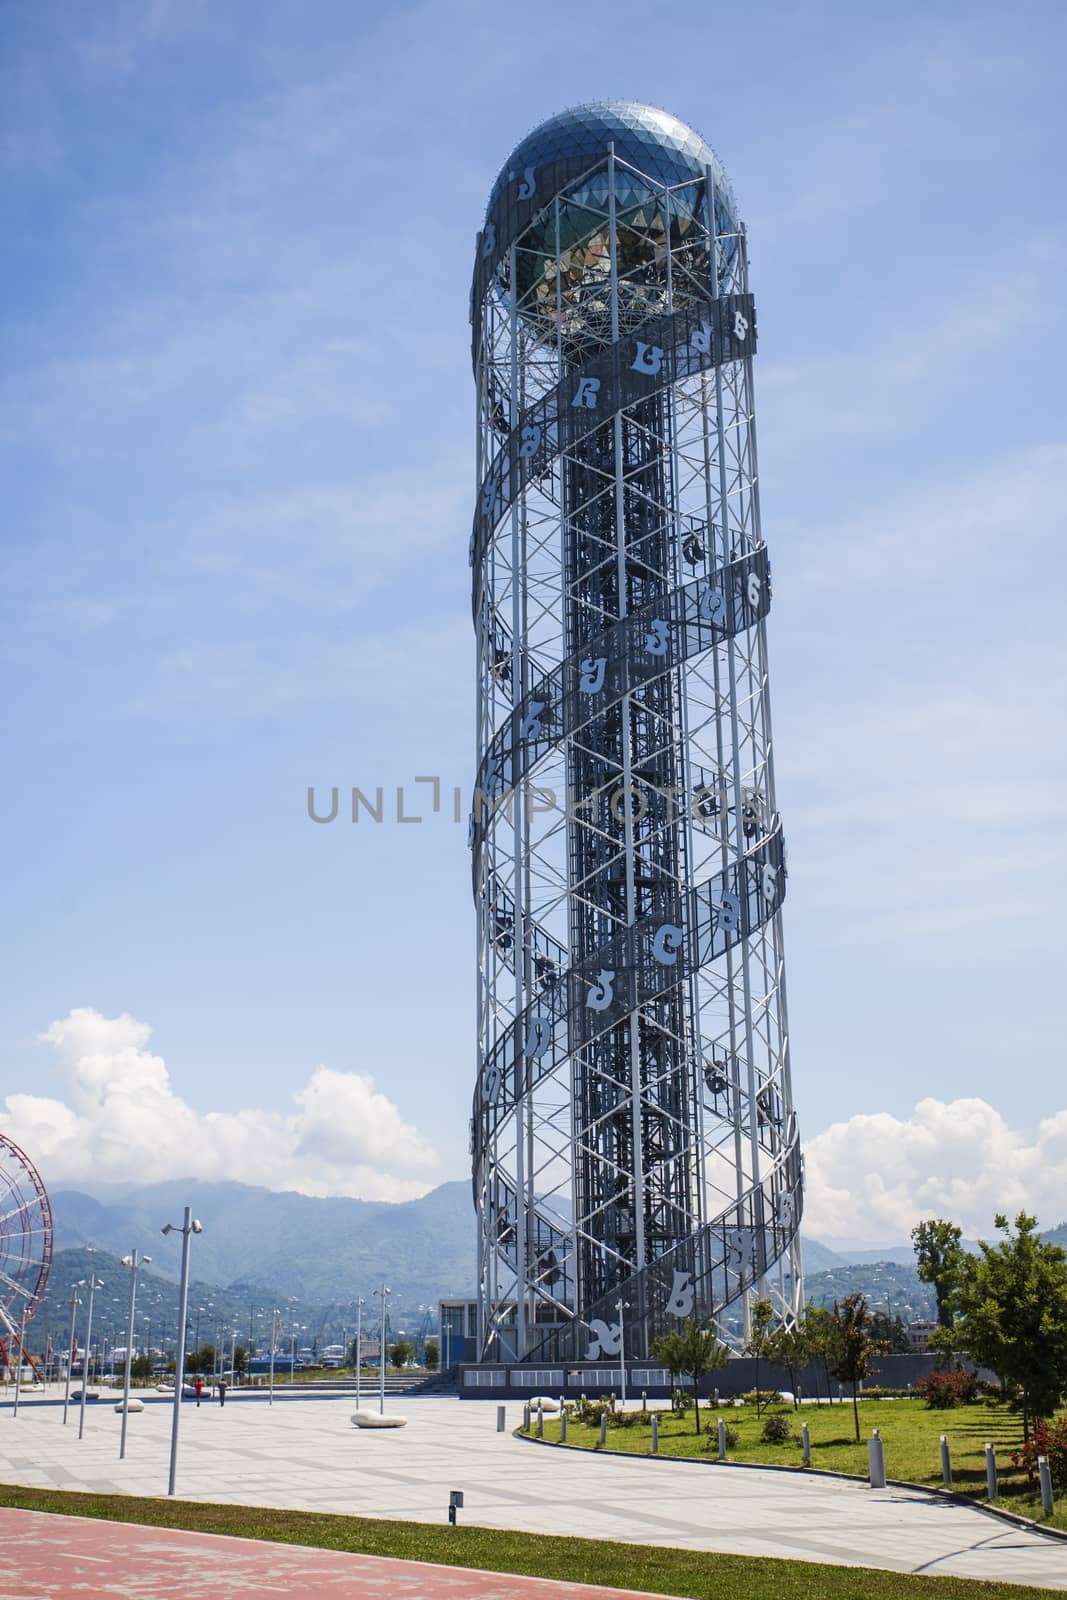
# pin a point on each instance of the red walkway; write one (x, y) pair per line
(45, 1557)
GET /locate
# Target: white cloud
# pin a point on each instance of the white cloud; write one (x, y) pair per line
(875, 1176)
(123, 1122)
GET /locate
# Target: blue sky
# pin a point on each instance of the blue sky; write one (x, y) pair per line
(236, 438)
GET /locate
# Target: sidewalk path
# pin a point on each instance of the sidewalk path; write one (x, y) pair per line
(45, 1557)
(306, 1455)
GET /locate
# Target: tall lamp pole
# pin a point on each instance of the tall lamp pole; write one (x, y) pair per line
(74, 1304)
(92, 1283)
(22, 1357)
(620, 1307)
(384, 1292)
(273, 1342)
(133, 1261)
(188, 1228)
(233, 1358)
(360, 1303)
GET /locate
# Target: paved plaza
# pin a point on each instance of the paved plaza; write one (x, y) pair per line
(60, 1558)
(305, 1454)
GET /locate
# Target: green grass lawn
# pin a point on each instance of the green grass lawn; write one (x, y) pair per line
(697, 1574)
(909, 1431)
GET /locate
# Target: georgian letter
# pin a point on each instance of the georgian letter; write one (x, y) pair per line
(701, 339)
(667, 943)
(729, 909)
(768, 881)
(488, 241)
(538, 1037)
(657, 639)
(592, 678)
(711, 603)
(740, 326)
(529, 441)
(530, 726)
(528, 185)
(602, 993)
(587, 393)
(753, 588)
(649, 358)
(680, 1299)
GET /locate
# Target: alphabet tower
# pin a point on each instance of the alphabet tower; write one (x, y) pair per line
(635, 1150)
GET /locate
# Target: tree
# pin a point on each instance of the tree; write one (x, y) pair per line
(669, 1351)
(1011, 1314)
(432, 1355)
(401, 1353)
(789, 1347)
(695, 1351)
(891, 1333)
(354, 1352)
(852, 1348)
(819, 1329)
(141, 1369)
(762, 1317)
(940, 1256)
(240, 1361)
(202, 1360)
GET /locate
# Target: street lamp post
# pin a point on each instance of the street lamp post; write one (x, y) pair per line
(92, 1283)
(620, 1307)
(22, 1357)
(233, 1358)
(273, 1342)
(360, 1303)
(384, 1292)
(74, 1304)
(133, 1261)
(188, 1228)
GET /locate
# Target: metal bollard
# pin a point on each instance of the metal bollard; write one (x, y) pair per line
(1044, 1473)
(946, 1462)
(990, 1472)
(805, 1440)
(540, 1423)
(876, 1461)
(526, 1417)
(722, 1440)
(563, 1425)
(501, 1418)
(644, 1399)
(715, 1397)
(655, 1434)
(603, 1427)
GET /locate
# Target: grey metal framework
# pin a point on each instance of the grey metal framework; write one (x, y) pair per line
(634, 1144)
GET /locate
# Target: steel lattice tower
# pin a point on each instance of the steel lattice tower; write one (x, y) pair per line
(633, 1136)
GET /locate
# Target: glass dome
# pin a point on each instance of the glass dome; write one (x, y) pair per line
(663, 146)
(564, 284)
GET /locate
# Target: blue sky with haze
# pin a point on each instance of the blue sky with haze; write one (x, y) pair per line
(236, 440)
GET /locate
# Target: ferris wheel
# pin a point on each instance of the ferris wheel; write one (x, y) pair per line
(25, 1244)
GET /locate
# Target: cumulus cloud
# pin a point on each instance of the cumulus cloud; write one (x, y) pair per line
(875, 1176)
(120, 1120)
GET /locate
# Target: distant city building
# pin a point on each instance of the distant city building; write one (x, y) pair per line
(919, 1333)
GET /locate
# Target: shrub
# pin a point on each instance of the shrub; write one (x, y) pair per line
(944, 1390)
(681, 1402)
(1048, 1439)
(777, 1429)
(763, 1397)
(733, 1438)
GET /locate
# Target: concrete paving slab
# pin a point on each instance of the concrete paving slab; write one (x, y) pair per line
(305, 1454)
